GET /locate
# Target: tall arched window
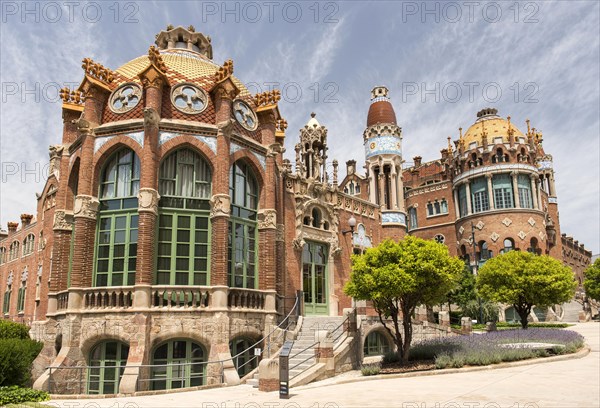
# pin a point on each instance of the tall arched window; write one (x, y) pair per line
(509, 245)
(13, 251)
(6, 300)
(243, 190)
(2, 255)
(116, 249)
(107, 362)
(178, 364)
(412, 218)
(28, 244)
(183, 228)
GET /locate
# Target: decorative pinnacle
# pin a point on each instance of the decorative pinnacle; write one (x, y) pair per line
(528, 127)
(312, 114)
(511, 131)
(449, 145)
(225, 71)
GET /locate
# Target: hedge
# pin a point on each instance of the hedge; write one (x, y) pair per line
(12, 330)
(16, 356)
(16, 395)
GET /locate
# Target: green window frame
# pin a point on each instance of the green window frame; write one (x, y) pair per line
(376, 344)
(524, 186)
(116, 251)
(107, 362)
(21, 297)
(6, 301)
(184, 229)
(2, 255)
(243, 227)
(178, 363)
(462, 200)
(412, 216)
(503, 191)
(243, 355)
(183, 248)
(118, 219)
(479, 195)
(314, 278)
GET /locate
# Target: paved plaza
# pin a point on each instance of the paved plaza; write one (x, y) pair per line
(567, 383)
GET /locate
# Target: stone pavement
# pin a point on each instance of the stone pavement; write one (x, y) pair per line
(567, 383)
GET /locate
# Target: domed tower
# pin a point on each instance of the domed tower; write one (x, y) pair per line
(501, 192)
(383, 153)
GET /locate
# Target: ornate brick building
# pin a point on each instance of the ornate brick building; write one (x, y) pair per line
(172, 230)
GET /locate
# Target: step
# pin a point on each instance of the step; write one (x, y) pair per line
(253, 382)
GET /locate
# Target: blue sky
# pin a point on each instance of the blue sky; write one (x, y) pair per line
(442, 61)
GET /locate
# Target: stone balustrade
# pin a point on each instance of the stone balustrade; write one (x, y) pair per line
(238, 298)
(108, 298)
(181, 297)
(62, 300)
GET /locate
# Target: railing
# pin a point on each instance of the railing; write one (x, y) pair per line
(342, 332)
(62, 300)
(316, 355)
(246, 299)
(105, 298)
(184, 297)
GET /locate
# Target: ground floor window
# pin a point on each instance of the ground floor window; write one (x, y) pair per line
(376, 344)
(178, 364)
(243, 355)
(107, 363)
(117, 249)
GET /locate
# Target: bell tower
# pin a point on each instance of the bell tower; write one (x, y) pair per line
(311, 151)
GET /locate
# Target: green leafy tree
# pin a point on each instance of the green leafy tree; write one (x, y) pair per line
(592, 280)
(399, 276)
(523, 280)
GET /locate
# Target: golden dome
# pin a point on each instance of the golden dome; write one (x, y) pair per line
(182, 66)
(494, 127)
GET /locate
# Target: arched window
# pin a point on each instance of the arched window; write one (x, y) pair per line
(107, 362)
(6, 300)
(429, 209)
(376, 344)
(243, 355)
(28, 244)
(412, 218)
(117, 230)
(533, 246)
(13, 251)
(22, 292)
(2, 255)
(462, 200)
(184, 227)
(316, 218)
(178, 364)
(41, 243)
(484, 252)
(509, 245)
(243, 190)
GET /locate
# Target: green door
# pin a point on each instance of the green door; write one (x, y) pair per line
(314, 279)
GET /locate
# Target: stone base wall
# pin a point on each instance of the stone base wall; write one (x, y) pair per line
(69, 339)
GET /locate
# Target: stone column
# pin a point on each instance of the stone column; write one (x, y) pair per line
(85, 213)
(539, 192)
(552, 186)
(381, 183)
(267, 232)
(394, 188)
(456, 202)
(534, 197)
(490, 189)
(468, 190)
(400, 189)
(61, 249)
(372, 181)
(514, 176)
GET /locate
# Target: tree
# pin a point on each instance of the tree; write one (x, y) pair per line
(523, 280)
(399, 276)
(592, 280)
(465, 297)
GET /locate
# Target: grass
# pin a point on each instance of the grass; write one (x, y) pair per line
(509, 326)
(370, 369)
(486, 349)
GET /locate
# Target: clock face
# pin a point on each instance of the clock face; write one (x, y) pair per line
(189, 98)
(244, 115)
(372, 145)
(125, 98)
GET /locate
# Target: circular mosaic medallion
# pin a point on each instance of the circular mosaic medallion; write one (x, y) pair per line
(189, 98)
(244, 115)
(125, 98)
(439, 238)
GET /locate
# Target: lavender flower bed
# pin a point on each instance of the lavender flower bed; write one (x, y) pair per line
(485, 349)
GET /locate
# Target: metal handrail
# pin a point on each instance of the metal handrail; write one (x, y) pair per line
(302, 351)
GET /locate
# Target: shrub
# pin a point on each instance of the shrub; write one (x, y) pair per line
(12, 330)
(370, 369)
(444, 360)
(16, 395)
(390, 357)
(16, 356)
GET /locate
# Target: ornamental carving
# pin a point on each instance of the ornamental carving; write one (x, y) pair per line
(494, 236)
(461, 230)
(480, 225)
(506, 221)
(148, 200)
(522, 235)
(280, 235)
(61, 221)
(125, 98)
(531, 221)
(267, 219)
(189, 98)
(220, 205)
(86, 207)
(151, 118)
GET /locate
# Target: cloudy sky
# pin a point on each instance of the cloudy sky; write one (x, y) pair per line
(442, 61)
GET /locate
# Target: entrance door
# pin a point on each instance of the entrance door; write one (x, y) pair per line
(314, 279)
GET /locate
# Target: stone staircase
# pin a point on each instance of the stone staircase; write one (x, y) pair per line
(306, 337)
(571, 311)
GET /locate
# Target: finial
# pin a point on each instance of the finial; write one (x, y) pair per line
(528, 128)
(191, 29)
(511, 131)
(170, 27)
(312, 114)
(449, 145)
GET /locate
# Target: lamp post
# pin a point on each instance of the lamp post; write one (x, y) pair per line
(474, 268)
(351, 224)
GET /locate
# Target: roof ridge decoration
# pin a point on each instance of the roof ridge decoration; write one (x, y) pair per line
(182, 38)
(72, 99)
(156, 59)
(224, 72)
(97, 71)
(267, 98)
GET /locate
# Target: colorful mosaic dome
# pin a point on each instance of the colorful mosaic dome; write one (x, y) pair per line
(381, 109)
(495, 127)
